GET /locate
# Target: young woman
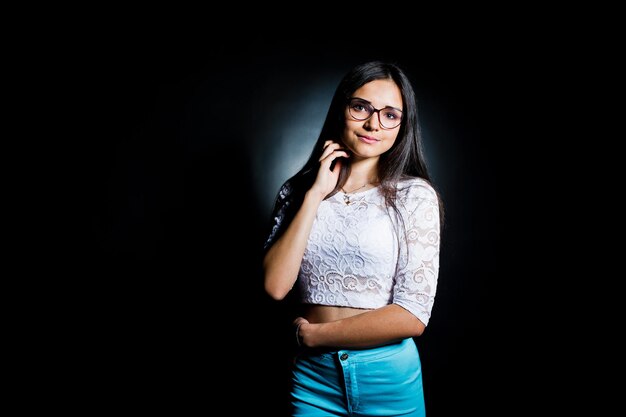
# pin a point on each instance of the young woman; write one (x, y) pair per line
(357, 233)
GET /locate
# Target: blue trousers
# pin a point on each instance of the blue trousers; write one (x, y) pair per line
(382, 381)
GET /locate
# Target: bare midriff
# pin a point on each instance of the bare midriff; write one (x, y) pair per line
(324, 314)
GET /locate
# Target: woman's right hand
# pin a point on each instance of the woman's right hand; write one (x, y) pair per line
(326, 179)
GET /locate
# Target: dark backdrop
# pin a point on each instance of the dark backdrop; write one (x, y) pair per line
(184, 152)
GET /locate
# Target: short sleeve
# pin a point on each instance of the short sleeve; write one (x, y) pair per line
(281, 211)
(419, 243)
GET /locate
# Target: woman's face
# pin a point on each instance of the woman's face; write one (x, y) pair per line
(367, 138)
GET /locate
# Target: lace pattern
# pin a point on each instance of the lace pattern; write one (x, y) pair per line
(281, 210)
(418, 262)
(367, 255)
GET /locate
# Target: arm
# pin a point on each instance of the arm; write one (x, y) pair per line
(372, 328)
(282, 261)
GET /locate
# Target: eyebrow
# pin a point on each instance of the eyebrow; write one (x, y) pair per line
(370, 103)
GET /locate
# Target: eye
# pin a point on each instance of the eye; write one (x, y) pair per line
(359, 107)
(391, 114)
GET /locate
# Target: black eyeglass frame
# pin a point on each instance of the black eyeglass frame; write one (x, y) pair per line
(371, 110)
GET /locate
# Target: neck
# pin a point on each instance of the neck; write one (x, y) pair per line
(363, 171)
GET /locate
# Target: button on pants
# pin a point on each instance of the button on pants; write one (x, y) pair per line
(382, 381)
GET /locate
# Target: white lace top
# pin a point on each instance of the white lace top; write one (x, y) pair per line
(364, 255)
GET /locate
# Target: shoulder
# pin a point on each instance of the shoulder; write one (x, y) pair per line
(413, 189)
(289, 189)
(290, 193)
(285, 190)
(418, 202)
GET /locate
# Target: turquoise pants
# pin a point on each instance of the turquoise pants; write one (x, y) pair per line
(382, 381)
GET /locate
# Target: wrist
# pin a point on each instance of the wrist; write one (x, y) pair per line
(309, 334)
(315, 196)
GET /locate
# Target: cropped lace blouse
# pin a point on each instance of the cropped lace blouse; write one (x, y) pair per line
(367, 255)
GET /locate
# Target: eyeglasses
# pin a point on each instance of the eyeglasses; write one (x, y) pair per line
(388, 117)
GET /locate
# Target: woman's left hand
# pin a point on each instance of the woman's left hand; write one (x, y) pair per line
(298, 323)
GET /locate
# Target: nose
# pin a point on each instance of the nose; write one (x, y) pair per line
(372, 123)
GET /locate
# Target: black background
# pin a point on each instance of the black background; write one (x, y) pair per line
(177, 196)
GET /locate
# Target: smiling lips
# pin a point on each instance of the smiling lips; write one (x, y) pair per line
(368, 139)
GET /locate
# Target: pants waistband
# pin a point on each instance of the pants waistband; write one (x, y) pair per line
(360, 354)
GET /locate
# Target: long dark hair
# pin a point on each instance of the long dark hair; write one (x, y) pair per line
(404, 160)
(406, 156)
